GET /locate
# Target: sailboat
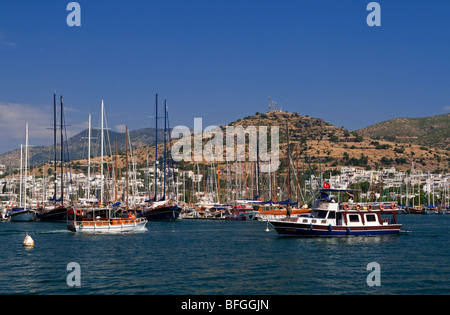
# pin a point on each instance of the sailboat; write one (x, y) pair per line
(56, 212)
(23, 214)
(104, 219)
(163, 209)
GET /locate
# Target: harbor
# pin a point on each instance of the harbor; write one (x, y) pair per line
(226, 149)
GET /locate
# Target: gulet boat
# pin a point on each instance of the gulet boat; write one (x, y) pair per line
(90, 223)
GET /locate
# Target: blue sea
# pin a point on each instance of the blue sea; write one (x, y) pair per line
(194, 257)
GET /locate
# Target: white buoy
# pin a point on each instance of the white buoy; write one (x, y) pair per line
(28, 241)
(267, 229)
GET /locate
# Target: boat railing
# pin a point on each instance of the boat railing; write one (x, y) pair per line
(390, 205)
(107, 222)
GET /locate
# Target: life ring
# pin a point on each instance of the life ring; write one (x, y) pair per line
(393, 206)
(370, 207)
(381, 206)
(346, 207)
(358, 207)
(79, 212)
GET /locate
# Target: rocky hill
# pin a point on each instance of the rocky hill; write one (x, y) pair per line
(328, 147)
(77, 146)
(429, 131)
(312, 140)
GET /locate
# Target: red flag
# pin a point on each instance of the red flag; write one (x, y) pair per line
(326, 185)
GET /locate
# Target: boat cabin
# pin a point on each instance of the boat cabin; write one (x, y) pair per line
(337, 207)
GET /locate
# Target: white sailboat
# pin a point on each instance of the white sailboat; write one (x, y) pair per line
(23, 214)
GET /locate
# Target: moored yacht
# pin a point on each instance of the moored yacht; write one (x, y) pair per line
(22, 215)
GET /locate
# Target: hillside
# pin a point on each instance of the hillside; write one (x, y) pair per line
(329, 147)
(325, 146)
(429, 131)
(78, 146)
(334, 147)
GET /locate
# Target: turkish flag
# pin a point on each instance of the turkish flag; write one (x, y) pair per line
(326, 185)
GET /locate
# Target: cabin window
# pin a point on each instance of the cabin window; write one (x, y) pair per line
(322, 214)
(332, 215)
(354, 218)
(371, 218)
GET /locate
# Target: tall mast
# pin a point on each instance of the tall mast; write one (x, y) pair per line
(62, 154)
(115, 173)
(218, 183)
(101, 150)
(156, 145)
(257, 166)
(89, 160)
(288, 163)
(21, 175)
(26, 166)
(126, 161)
(270, 179)
(54, 137)
(165, 146)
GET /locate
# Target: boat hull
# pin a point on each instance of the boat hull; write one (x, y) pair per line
(285, 228)
(245, 216)
(108, 226)
(54, 215)
(170, 213)
(23, 216)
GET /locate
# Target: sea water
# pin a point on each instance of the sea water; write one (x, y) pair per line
(195, 257)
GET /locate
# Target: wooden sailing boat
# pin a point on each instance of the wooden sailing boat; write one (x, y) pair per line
(105, 219)
(163, 209)
(56, 212)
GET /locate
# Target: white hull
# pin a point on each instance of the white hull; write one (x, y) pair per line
(275, 217)
(107, 227)
(245, 216)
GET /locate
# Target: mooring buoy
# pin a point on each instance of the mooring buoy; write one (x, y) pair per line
(28, 241)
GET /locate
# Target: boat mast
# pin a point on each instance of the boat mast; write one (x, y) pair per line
(54, 139)
(257, 166)
(101, 153)
(62, 155)
(126, 161)
(165, 147)
(288, 163)
(89, 161)
(156, 146)
(26, 167)
(21, 176)
(116, 171)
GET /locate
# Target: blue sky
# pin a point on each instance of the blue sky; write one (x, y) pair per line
(220, 60)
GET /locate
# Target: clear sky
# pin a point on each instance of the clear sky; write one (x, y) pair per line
(220, 60)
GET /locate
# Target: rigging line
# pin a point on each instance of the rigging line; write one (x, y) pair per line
(68, 155)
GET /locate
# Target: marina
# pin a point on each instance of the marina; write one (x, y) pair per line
(224, 148)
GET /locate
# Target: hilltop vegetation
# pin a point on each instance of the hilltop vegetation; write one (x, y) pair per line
(330, 147)
(429, 131)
